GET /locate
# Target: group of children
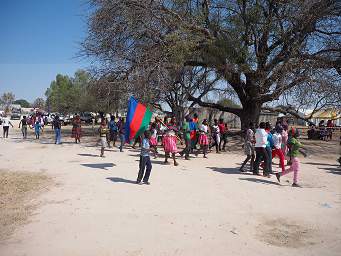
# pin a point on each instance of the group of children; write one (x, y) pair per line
(265, 143)
(191, 132)
(37, 124)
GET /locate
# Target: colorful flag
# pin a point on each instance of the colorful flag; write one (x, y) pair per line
(138, 119)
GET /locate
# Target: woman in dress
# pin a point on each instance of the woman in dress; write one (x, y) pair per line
(76, 128)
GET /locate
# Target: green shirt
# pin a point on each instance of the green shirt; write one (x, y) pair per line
(295, 146)
(186, 130)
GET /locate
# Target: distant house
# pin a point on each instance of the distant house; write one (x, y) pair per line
(326, 114)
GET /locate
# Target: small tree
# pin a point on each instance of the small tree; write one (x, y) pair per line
(39, 103)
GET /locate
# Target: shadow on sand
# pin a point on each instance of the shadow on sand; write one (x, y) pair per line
(336, 170)
(121, 180)
(268, 182)
(91, 155)
(103, 166)
(225, 170)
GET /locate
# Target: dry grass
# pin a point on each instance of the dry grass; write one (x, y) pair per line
(17, 193)
(283, 233)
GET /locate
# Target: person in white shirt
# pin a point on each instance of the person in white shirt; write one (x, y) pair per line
(261, 154)
(277, 151)
(215, 136)
(5, 126)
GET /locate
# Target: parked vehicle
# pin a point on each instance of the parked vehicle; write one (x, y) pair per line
(15, 116)
(86, 117)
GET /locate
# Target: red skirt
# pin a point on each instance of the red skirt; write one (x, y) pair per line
(153, 141)
(169, 144)
(76, 132)
(203, 140)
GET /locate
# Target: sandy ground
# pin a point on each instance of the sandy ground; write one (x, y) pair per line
(202, 207)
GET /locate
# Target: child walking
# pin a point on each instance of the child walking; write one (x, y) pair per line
(249, 148)
(37, 128)
(23, 124)
(295, 146)
(103, 131)
(145, 166)
(203, 137)
(215, 136)
(169, 145)
(153, 138)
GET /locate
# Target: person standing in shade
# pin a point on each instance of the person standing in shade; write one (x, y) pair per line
(145, 166)
(23, 125)
(5, 126)
(187, 137)
(56, 126)
(261, 154)
(223, 132)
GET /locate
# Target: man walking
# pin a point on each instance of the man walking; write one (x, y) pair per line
(5, 126)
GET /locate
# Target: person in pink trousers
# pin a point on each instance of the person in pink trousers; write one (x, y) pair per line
(295, 149)
(284, 139)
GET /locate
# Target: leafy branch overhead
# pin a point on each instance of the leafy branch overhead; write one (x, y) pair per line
(261, 50)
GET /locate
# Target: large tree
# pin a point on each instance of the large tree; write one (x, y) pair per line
(70, 94)
(261, 48)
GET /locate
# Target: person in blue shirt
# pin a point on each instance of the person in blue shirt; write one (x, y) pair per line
(268, 148)
(145, 163)
(112, 125)
(37, 128)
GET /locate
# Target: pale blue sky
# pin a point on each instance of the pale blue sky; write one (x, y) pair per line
(39, 39)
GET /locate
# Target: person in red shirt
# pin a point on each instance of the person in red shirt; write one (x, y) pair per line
(223, 133)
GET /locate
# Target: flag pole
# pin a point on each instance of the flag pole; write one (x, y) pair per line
(175, 134)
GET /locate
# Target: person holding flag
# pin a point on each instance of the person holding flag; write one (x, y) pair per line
(145, 163)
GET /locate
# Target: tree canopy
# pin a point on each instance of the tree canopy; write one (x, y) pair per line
(70, 94)
(261, 50)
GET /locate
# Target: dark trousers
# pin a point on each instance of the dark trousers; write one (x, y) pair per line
(249, 157)
(261, 154)
(215, 143)
(187, 149)
(5, 128)
(223, 140)
(145, 163)
(269, 154)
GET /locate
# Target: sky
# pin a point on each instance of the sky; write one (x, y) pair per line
(38, 40)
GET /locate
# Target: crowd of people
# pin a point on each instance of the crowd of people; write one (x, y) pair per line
(262, 142)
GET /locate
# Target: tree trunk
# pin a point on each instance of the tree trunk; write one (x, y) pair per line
(250, 113)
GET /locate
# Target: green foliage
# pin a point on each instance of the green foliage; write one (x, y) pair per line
(70, 94)
(23, 103)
